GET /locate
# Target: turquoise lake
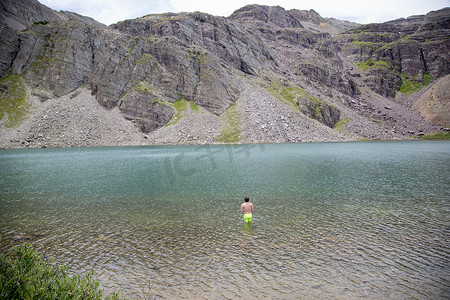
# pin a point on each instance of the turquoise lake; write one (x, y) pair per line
(332, 220)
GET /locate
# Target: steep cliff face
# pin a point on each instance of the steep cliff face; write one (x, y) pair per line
(395, 54)
(150, 68)
(304, 53)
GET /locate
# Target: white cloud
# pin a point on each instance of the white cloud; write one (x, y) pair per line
(361, 11)
(378, 11)
(110, 11)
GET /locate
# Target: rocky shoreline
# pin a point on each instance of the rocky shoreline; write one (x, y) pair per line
(78, 120)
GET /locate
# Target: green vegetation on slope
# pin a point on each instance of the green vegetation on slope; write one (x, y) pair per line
(303, 102)
(409, 87)
(13, 100)
(194, 107)
(443, 135)
(181, 106)
(369, 64)
(143, 86)
(146, 58)
(340, 125)
(231, 130)
(288, 94)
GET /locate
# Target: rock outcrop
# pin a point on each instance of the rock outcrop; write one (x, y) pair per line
(396, 53)
(341, 75)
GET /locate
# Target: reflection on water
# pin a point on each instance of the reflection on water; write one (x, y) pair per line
(248, 227)
(342, 220)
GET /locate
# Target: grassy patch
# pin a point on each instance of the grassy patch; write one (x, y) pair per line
(443, 135)
(409, 87)
(44, 62)
(301, 101)
(146, 58)
(132, 46)
(13, 100)
(180, 106)
(369, 64)
(194, 107)
(287, 94)
(360, 44)
(196, 55)
(340, 125)
(151, 39)
(231, 130)
(143, 86)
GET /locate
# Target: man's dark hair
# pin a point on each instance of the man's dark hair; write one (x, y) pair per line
(246, 199)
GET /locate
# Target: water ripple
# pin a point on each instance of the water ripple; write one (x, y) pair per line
(320, 231)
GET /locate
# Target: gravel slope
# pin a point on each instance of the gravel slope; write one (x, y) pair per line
(77, 120)
(74, 120)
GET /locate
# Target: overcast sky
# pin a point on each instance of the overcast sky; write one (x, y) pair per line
(361, 11)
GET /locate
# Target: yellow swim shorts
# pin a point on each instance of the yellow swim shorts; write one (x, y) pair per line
(247, 218)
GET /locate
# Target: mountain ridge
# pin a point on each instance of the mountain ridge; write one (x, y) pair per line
(263, 74)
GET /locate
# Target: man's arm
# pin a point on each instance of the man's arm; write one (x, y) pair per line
(253, 208)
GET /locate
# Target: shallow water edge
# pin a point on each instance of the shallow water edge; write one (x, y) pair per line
(358, 219)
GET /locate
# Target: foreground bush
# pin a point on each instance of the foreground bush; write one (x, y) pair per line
(30, 277)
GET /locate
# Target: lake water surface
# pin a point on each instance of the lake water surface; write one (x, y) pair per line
(332, 220)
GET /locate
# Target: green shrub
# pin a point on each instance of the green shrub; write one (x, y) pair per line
(41, 22)
(443, 135)
(30, 277)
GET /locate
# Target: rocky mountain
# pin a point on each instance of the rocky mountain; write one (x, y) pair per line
(263, 74)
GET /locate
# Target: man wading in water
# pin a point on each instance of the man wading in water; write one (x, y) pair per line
(247, 208)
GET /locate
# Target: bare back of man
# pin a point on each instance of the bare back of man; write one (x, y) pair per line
(247, 208)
